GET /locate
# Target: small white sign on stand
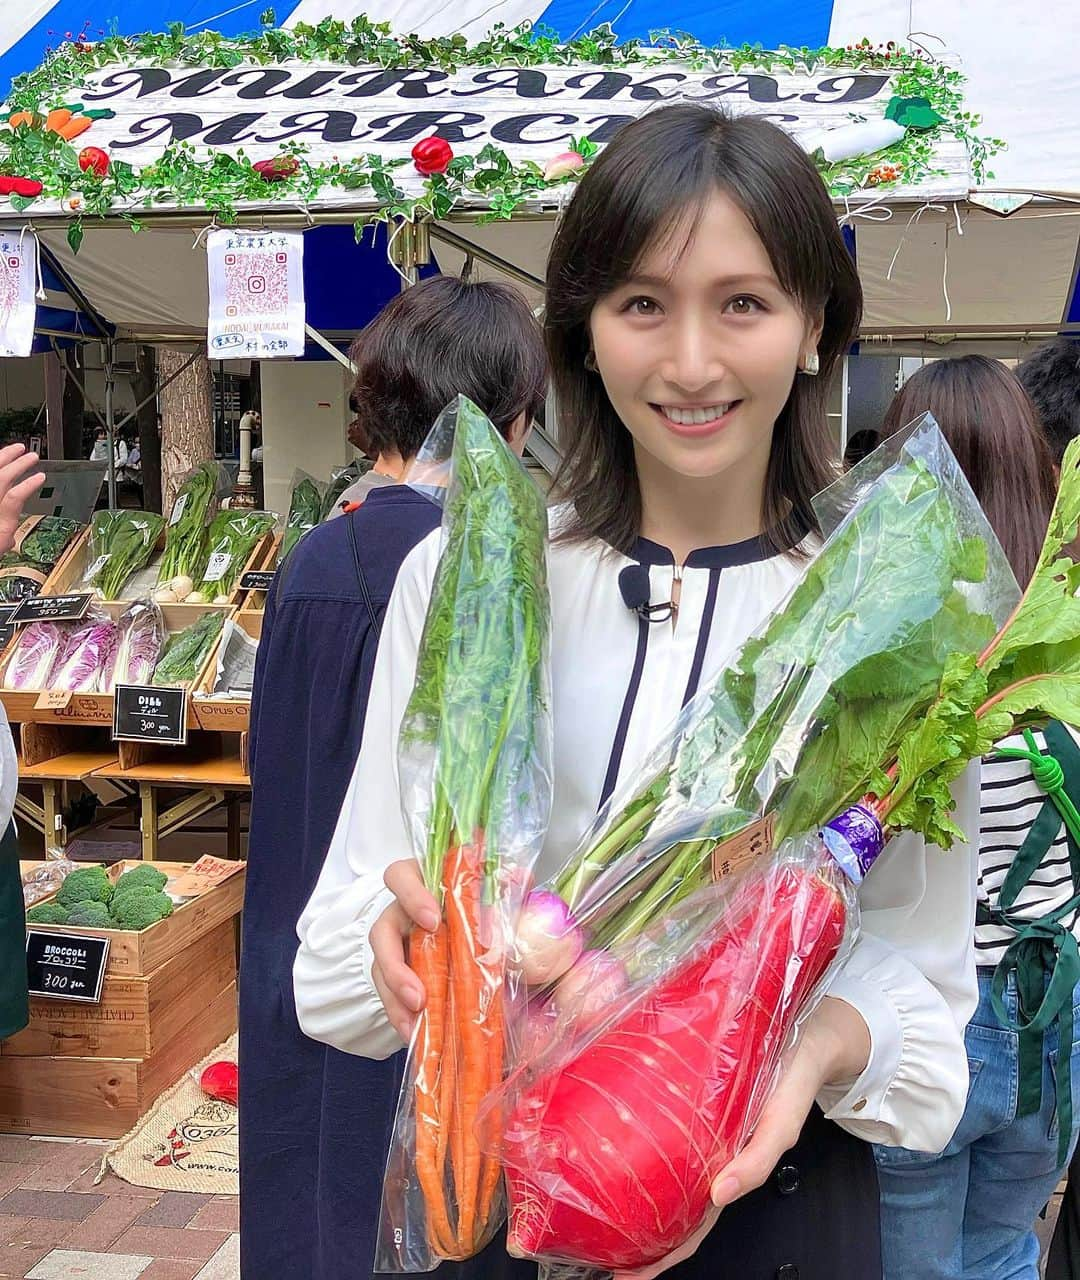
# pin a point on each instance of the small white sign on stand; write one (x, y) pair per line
(18, 284)
(256, 294)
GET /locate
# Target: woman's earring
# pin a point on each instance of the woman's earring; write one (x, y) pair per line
(812, 366)
(590, 362)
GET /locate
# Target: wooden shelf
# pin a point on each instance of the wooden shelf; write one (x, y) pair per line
(75, 766)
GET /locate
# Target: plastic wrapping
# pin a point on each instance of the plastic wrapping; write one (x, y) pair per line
(800, 722)
(24, 570)
(232, 538)
(630, 1105)
(121, 543)
(186, 541)
(340, 479)
(305, 511)
(475, 769)
(141, 640)
(88, 656)
(187, 651)
(43, 879)
(38, 648)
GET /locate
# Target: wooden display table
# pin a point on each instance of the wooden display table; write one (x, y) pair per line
(210, 777)
(52, 776)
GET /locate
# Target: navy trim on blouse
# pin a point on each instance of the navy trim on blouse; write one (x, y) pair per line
(619, 745)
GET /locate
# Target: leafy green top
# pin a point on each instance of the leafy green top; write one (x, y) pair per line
(474, 736)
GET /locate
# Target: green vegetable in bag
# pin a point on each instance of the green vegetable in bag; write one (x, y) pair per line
(186, 548)
(186, 652)
(305, 512)
(121, 543)
(47, 540)
(233, 536)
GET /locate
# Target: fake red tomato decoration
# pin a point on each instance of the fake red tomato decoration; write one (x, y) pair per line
(94, 160)
(432, 155)
(220, 1080)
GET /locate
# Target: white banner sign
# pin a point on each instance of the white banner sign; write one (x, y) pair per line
(18, 283)
(341, 112)
(256, 294)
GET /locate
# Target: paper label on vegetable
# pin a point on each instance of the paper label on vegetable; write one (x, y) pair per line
(219, 563)
(742, 848)
(179, 507)
(97, 566)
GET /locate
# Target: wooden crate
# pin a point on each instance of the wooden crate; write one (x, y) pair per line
(137, 1017)
(97, 708)
(139, 954)
(105, 1097)
(226, 715)
(69, 573)
(255, 601)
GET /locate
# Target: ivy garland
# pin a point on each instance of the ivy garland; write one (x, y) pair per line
(181, 177)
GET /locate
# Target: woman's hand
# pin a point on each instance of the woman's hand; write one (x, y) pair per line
(399, 988)
(18, 483)
(833, 1047)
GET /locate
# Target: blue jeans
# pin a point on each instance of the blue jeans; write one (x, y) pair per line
(968, 1213)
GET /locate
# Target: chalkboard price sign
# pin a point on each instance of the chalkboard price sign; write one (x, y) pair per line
(145, 714)
(257, 580)
(65, 966)
(52, 608)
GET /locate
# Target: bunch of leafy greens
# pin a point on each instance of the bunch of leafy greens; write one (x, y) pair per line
(305, 512)
(473, 734)
(186, 652)
(186, 549)
(1028, 673)
(801, 722)
(121, 543)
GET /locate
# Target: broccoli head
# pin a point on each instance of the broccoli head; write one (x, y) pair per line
(47, 913)
(94, 915)
(137, 911)
(143, 874)
(131, 891)
(88, 884)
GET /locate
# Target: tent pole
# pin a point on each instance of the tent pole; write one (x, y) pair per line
(110, 425)
(329, 347)
(82, 390)
(439, 232)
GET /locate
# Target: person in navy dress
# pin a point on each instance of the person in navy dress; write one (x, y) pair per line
(315, 1122)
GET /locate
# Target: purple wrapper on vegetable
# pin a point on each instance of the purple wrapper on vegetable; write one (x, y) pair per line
(141, 640)
(39, 648)
(87, 658)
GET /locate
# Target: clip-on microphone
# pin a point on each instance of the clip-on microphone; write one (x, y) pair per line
(635, 589)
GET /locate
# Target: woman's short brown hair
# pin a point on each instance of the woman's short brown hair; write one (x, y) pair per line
(655, 170)
(991, 426)
(439, 339)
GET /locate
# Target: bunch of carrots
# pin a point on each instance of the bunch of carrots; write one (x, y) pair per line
(474, 759)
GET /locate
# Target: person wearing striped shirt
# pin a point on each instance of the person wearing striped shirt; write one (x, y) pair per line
(968, 1212)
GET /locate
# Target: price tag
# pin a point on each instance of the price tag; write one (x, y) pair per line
(96, 567)
(257, 580)
(52, 608)
(53, 700)
(65, 966)
(145, 714)
(179, 507)
(215, 570)
(6, 628)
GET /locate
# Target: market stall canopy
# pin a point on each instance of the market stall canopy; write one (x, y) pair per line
(317, 124)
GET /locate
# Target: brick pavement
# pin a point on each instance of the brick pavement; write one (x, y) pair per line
(56, 1224)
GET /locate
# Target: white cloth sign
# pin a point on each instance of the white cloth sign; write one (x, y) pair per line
(18, 283)
(256, 294)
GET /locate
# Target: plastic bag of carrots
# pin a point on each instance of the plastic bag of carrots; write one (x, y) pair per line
(475, 768)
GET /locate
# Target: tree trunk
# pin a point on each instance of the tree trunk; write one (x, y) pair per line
(149, 440)
(73, 411)
(187, 418)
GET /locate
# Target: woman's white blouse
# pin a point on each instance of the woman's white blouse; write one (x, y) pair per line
(618, 682)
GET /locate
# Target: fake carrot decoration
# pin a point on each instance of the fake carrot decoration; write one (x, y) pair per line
(474, 762)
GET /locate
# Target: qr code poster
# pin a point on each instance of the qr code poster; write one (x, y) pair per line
(18, 283)
(256, 294)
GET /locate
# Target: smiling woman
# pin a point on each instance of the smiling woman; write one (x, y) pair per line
(699, 295)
